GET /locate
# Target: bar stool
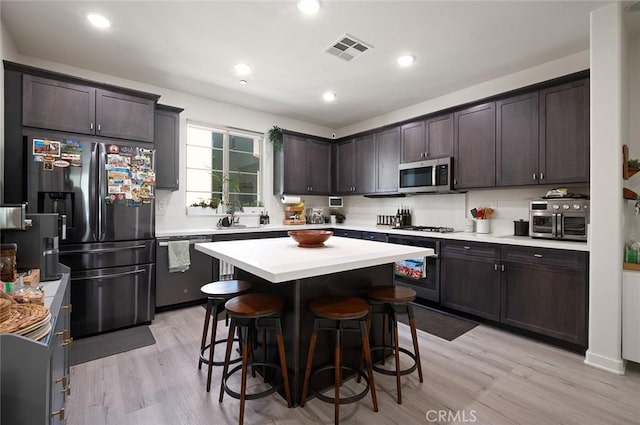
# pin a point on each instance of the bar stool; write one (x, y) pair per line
(390, 301)
(341, 312)
(217, 294)
(249, 313)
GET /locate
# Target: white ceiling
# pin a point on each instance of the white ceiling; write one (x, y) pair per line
(193, 46)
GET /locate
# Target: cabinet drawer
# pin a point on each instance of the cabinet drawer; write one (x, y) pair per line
(472, 248)
(545, 256)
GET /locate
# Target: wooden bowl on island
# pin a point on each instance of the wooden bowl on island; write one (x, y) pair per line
(310, 238)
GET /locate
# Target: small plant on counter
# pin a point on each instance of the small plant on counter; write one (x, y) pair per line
(340, 217)
(275, 137)
(206, 203)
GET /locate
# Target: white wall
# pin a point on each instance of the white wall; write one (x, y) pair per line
(170, 206)
(608, 60)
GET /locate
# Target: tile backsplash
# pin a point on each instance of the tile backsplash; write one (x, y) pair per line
(449, 210)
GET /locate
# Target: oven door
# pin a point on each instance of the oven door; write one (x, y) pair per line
(572, 226)
(543, 224)
(420, 274)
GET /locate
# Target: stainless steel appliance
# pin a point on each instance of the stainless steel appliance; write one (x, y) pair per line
(420, 274)
(13, 217)
(38, 246)
(431, 175)
(106, 190)
(182, 287)
(561, 218)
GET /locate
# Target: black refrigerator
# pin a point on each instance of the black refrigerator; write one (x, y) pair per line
(106, 189)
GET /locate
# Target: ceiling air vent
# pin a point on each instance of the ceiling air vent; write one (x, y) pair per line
(347, 48)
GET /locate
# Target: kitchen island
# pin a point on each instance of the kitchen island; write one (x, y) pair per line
(343, 266)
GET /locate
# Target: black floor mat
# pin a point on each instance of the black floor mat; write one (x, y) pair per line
(107, 344)
(439, 324)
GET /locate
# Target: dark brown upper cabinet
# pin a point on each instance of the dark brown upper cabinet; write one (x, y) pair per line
(58, 105)
(517, 140)
(355, 166)
(475, 146)
(387, 160)
(431, 138)
(167, 144)
(564, 133)
(302, 166)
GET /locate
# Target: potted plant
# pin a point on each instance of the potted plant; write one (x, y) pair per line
(339, 215)
(204, 207)
(275, 137)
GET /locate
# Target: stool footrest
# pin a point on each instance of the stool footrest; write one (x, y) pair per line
(393, 372)
(205, 360)
(342, 400)
(272, 388)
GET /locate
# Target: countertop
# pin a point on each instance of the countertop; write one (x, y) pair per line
(506, 239)
(280, 259)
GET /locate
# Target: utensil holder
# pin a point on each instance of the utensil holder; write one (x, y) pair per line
(483, 226)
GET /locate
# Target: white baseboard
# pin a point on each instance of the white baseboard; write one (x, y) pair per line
(598, 361)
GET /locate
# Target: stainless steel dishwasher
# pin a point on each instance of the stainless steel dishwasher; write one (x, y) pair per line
(173, 289)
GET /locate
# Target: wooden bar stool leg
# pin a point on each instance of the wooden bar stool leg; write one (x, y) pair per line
(207, 316)
(337, 376)
(396, 348)
(307, 372)
(414, 337)
(214, 330)
(283, 362)
(243, 384)
(367, 357)
(385, 331)
(227, 357)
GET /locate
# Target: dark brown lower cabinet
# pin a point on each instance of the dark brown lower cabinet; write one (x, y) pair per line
(545, 291)
(540, 290)
(470, 280)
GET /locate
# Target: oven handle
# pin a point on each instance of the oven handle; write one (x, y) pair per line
(109, 276)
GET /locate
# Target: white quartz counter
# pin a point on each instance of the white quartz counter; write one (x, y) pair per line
(280, 259)
(507, 239)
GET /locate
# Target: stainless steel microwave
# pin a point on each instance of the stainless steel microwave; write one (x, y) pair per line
(562, 218)
(430, 175)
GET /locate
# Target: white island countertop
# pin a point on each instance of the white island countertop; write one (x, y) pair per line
(280, 259)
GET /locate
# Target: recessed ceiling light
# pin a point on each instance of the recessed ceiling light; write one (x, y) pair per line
(243, 69)
(309, 7)
(98, 21)
(243, 82)
(405, 61)
(329, 96)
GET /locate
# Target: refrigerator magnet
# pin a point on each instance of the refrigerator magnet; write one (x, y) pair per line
(60, 163)
(113, 149)
(44, 147)
(47, 165)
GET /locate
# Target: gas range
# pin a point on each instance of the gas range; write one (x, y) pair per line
(436, 229)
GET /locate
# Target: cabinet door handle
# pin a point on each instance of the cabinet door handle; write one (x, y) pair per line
(98, 127)
(495, 267)
(502, 268)
(66, 390)
(67, 342)
(62, 380)
(534, 176)
(91, 126)
(537, 255)
(466, 247)
(541, 176)
(66, 307)
(59, 412)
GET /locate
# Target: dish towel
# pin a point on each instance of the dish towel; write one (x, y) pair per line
(179, 260)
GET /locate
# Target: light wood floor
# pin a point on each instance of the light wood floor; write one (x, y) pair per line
(487, 375)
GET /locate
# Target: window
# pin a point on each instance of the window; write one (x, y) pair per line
(223, 165)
